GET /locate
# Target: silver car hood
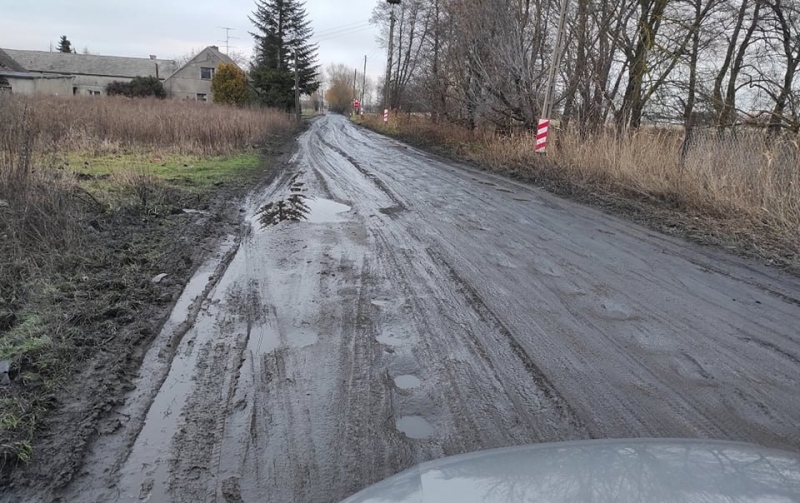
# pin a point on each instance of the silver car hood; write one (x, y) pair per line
(635, 471)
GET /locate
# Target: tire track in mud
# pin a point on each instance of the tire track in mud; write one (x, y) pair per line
(435, 353)
(675, 400)
(109, 454)
(195, 462)
(364, 401)
(451, 326)
(485, 313)
(372, 177)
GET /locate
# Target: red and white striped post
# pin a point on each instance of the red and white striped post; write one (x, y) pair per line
(386, 115)
(541, 136)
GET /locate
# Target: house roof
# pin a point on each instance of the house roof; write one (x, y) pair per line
(8, 63)
(90, 64)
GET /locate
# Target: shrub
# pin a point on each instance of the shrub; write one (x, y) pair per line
(138, 87)
(229, 85)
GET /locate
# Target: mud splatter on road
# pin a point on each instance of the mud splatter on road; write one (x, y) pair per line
(422, 310)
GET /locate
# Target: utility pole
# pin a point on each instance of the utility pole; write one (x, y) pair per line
(364, 83)
(547, 106)
(543, 127)
(297, 111)
(387, 85)
(355, 79)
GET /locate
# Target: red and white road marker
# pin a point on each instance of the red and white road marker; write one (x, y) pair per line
(386, 115)
(541, 136)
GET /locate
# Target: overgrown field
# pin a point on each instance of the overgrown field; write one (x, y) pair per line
(92, 200)
(740, 191)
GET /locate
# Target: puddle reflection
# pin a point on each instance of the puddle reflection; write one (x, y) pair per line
(293, 209)
(299, 207)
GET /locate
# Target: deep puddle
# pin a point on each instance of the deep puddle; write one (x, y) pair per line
(300, 208)
(414, 427)
(407, 382)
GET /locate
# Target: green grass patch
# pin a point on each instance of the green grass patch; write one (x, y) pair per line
(193, 173)
(18, 417)
(30, 351)
(24, 340)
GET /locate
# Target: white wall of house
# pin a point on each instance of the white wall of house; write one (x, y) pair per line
(60, 86)
(22, 86)
(53, 86)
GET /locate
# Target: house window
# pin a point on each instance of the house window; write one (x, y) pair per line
(206, 73)
(202, 97)
(94, 93)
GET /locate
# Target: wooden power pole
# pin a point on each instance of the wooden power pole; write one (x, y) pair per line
(297, 110)
(364, 83)
(355, 80)
(388, 84)
(547, 106)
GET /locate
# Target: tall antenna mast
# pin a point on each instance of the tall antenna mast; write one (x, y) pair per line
(228, 38)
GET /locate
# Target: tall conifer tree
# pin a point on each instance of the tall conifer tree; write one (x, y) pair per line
(281, 29)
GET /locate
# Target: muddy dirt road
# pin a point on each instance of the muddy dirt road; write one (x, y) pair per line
(424, 310)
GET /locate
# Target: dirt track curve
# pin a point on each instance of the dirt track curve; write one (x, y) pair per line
(447, 311)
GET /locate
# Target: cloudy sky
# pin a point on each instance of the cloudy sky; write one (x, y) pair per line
(171, 28)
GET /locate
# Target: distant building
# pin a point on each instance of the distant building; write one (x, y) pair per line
(15, 78)
(30, 72)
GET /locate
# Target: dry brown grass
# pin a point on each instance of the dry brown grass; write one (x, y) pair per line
(752, 184)
(40, 198)
(115, 123)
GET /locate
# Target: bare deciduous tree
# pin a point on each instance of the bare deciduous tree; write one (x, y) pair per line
(626, 62)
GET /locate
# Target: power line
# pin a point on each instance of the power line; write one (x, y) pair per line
(342, 32)
(336, 35)
(374, 52)
(346, 27)
(342, 27)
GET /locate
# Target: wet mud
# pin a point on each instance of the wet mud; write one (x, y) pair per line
(386, 308)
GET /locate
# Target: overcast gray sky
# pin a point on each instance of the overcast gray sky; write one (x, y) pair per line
(170, 28)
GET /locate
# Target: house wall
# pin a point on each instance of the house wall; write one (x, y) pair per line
(54, 86)
(21, 86)
(86, 83)
(186, 82)
(58, 87)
